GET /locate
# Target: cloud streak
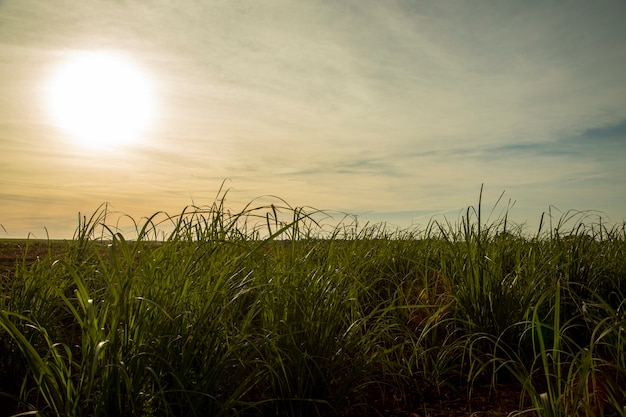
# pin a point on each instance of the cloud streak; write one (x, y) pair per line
(366, 106)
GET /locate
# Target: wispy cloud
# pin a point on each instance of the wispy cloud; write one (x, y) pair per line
(392, 107)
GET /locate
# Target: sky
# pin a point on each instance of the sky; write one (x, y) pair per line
(395, 111)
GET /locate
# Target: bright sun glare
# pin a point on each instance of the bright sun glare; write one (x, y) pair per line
(102, 99)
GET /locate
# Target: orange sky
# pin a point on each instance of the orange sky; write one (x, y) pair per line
(395, 111)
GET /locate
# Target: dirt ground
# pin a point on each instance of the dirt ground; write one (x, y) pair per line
(13, 251)
(485, 402)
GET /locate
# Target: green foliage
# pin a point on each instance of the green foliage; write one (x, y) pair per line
(275, 311)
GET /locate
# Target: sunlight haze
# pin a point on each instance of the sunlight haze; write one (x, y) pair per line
(101, 99)
(395, 111)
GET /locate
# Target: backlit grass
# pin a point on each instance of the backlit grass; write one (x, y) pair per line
(271, 311)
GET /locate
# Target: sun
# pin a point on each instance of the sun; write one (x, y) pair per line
(102, 99)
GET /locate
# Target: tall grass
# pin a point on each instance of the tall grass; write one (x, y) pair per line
(275, 310)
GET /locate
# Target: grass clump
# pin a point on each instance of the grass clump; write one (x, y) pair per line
(271, 311)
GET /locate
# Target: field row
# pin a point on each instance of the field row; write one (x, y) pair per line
(219, 319)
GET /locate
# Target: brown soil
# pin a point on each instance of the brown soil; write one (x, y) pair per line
(15, 252)
(485, 401)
